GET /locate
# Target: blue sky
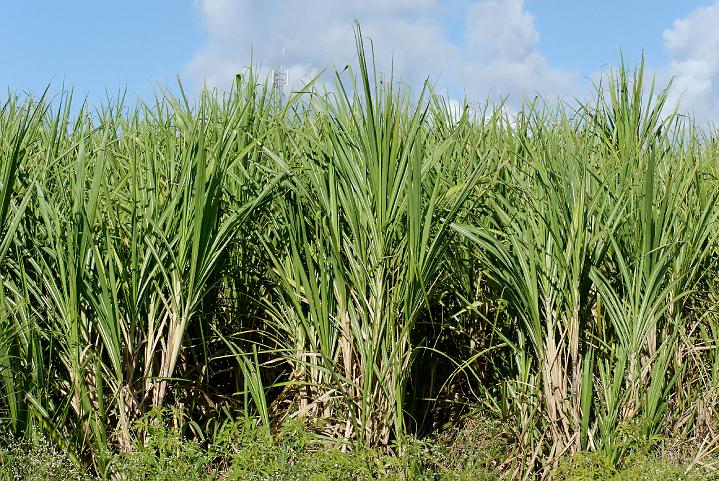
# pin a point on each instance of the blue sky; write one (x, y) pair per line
(584, 35)
(475, 47)
(94, 45)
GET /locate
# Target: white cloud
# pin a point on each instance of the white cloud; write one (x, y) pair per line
(501, 55)
(501, 29)
(693, 46)
(497, 54)
(312, 35)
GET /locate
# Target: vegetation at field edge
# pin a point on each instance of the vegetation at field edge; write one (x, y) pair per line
(358, 282)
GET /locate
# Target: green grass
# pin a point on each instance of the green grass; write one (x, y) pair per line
(360, 259)
(243, 451)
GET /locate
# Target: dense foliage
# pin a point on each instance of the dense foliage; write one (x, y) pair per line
(366, 259)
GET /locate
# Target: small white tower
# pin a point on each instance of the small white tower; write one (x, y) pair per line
(280, 80)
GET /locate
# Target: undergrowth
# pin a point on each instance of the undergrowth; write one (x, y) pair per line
(471, 450)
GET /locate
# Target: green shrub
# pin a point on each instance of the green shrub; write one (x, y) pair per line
(40, 461)
(472, 450)
(165, 455)
(597, 466)
(252, 453)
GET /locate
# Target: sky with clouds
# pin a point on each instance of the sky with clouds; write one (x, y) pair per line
(477, 48)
